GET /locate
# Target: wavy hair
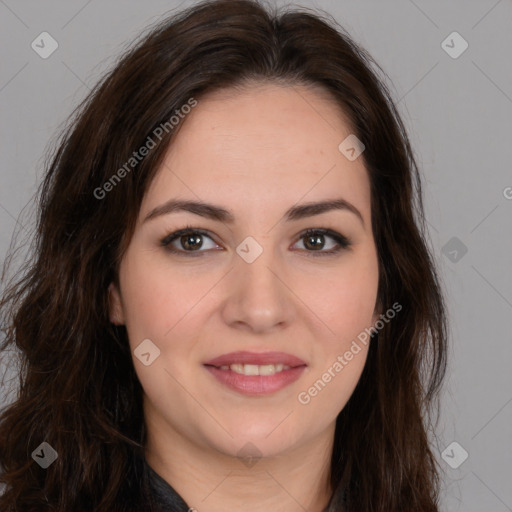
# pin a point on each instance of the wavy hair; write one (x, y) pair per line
(78, 389)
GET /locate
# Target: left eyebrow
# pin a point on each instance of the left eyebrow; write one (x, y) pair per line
(218, 213)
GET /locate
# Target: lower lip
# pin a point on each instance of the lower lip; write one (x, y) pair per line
(256, 384)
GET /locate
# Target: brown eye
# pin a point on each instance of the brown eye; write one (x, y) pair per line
(188, 241)
(315, 241)
(191, 241)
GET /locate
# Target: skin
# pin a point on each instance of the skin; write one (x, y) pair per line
(257, 152)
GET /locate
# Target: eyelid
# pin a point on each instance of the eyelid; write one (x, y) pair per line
(343, 242)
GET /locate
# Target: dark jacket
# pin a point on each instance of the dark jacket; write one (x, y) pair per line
(165, 497)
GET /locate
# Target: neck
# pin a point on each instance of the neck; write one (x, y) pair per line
(210, 481)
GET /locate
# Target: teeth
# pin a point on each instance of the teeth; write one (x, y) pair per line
(238, 368)
(254, 369)
(267, 369)
(251, 369)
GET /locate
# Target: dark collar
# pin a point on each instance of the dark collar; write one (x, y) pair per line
(167, 499)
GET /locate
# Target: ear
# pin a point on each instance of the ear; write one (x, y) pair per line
(115, 307)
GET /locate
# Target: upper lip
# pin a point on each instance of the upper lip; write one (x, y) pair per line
(257, 358)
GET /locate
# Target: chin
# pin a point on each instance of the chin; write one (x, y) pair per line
(264, 438)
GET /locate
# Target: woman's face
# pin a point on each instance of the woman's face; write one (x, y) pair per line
(251, 288)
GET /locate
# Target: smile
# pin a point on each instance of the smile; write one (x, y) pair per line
(256, 373)
(254, 369)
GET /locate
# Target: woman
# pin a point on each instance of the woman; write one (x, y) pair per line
(232, 302)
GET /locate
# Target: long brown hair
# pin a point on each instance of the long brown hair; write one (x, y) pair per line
(78, 389)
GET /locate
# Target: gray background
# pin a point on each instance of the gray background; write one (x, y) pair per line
(459, 115)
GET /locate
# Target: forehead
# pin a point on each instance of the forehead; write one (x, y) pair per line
(266, 144)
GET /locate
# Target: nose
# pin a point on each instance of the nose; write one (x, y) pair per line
(258, 297)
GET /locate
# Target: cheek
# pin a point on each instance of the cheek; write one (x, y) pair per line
(157, 299)
(346, 300)
(330, 391)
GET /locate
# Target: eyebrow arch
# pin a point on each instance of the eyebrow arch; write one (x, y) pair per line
(218, 213)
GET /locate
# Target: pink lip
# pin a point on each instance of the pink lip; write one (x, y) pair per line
(256, 358)
(256, 384)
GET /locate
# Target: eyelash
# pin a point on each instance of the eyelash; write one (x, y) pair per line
(342, 241)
